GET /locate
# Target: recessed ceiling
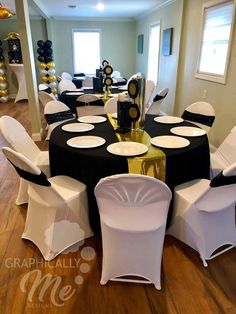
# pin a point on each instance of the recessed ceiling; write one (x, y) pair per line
(114, 9)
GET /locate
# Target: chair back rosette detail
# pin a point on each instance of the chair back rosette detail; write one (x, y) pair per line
(3, 77)
(46, 65)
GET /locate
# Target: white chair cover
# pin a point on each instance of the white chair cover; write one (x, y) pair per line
(115, 74)
(53, 107)
(57, 215)
(225, 154)
(149, 88)
(111, 105)
(133, 211)
(45, 97)
(155, 106)
(64, 85)
(66, 76)
(89, 110)
(203, 108)
(17, 137)
(204, 216)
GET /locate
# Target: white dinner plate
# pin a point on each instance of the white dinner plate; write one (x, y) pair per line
(169, 141)
(87, 87)
(122, 88)
(74, 90)
(168, 119)
(187, 131)
(86, 141)
(77, 127)
(74, 93)
(127, 148)
(92, 119)
(114, 115)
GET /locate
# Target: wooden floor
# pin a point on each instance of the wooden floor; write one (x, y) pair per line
(187, 287)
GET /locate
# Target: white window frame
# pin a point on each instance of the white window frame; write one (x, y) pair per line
(157, 23)
(210, 76)
(89, 30)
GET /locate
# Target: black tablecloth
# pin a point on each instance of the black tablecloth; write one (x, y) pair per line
(90, 165)
(70, 100)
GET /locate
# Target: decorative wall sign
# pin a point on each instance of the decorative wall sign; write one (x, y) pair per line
(140, 43)
(167, 41)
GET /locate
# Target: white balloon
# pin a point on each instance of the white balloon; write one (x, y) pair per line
(4, 99)
(53, 85)
(3, 71)
(3, 85)
(51, 71)
(43, 72)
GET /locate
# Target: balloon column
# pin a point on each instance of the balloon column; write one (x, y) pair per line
(46, 64)
(3, 77)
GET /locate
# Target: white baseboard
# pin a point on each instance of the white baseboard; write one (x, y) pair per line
(37, 137)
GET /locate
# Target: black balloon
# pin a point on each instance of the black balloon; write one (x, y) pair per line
(1, 50)
(48, 51)
(0, 43)
(48, 43)
(40, 51)
(1, 57)
(40, 58)
(40, 43)
(48, 59)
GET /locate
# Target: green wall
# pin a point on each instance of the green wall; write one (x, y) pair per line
(117, 44)
(168, 16)
(190, 89)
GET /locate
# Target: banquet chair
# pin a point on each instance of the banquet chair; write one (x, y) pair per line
(204, 214)
(87, 82)
(64, 85)
(133, 211)
(45, 88)
(155, 106)
(55, 113)
(57, 215)
(115, 74)
(200, 113)
(17, 137)
(225, 154)
(66, 76)
(45, 97)
(111, 105)
(89, 105)
(149, 88)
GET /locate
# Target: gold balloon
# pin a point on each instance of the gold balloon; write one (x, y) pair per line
(3, 92)
(45, 79)
(54, 90)
(2, 65)
(5, 13)
(51, 78)
(51, 65)
(42, 65)
(3, 78)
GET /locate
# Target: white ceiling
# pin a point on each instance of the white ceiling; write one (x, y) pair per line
(114, 9)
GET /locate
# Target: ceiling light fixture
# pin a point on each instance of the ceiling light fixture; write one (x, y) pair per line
(100, 6)
(5, 13)
(72, 6)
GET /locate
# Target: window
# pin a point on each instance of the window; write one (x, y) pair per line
(153, 52)
(86, 49)
(216, 40)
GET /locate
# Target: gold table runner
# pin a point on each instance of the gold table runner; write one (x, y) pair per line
(153, 163)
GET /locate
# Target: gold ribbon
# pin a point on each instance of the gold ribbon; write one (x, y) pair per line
(153, 163)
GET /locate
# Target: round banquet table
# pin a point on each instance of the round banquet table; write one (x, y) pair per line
(91, 164)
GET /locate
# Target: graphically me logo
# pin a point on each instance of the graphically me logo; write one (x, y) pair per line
(37, 284)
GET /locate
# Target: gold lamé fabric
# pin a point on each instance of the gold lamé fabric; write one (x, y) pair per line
(153, 163)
